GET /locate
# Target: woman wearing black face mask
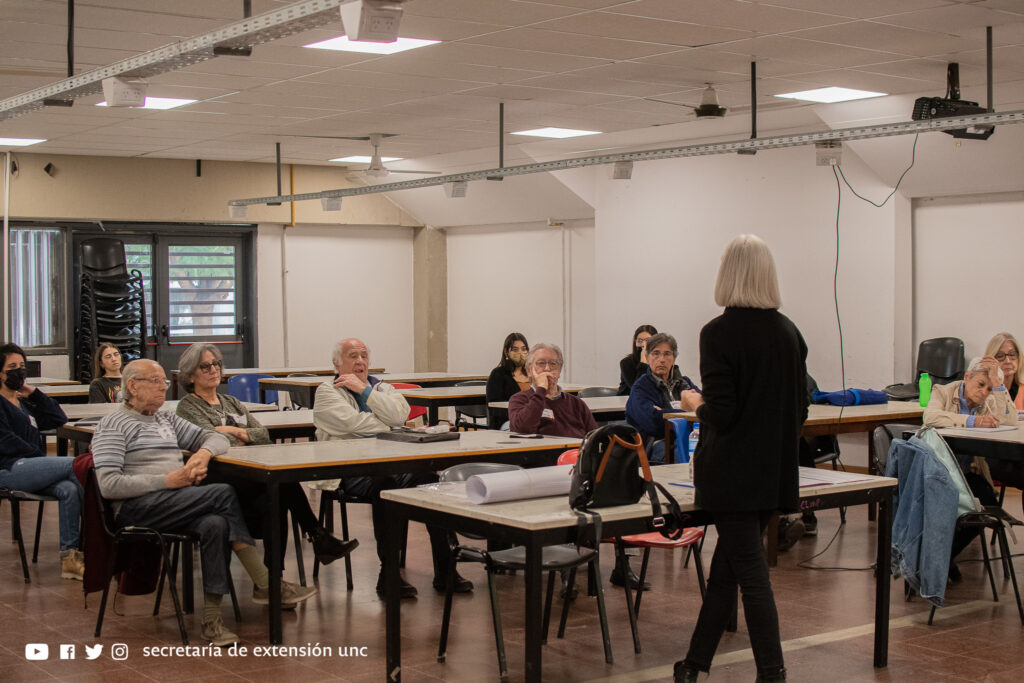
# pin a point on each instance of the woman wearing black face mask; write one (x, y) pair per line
(508, 378)
(24, 410)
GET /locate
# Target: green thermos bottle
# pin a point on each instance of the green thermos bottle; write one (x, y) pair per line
(924, 388)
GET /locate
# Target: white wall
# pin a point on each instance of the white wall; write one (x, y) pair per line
(340, 281)
(967, 256)
(509, 278)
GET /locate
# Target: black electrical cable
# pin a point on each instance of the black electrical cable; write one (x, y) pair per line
(802, 564)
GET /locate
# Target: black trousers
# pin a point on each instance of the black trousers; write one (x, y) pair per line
(739, 560)
(369, 488)
(983, 492)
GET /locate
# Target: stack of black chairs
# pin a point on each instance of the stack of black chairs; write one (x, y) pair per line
(111, 305)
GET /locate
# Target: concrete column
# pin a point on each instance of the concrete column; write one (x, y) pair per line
(430, 299)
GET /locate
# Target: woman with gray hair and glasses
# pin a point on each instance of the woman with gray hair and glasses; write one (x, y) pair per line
(200, 374)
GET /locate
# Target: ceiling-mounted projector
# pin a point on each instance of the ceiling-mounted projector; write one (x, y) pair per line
(374, 21)
(123, 92)
(951, 105)
(709, 107)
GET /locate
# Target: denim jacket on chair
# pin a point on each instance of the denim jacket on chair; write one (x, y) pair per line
(924, 520)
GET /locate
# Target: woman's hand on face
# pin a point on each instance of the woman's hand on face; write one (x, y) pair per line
(26, 390)
(986, 421)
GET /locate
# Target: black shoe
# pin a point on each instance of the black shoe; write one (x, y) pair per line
(684, 673)
(634, 580)
(810, 524)
(790, 531)
(327, 548)
(462, 584)
(954, 573)
(406, 590)
(777, 676)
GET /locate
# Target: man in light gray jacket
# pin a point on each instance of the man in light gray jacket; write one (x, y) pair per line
(355, 405)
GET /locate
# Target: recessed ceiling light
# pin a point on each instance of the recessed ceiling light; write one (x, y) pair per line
(366, 160)
(20, 142)
(557, 132)
(345, 45)
(158, 103)
(831, 94)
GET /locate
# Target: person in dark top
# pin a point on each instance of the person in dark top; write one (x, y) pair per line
(106, 371)
(635, 364)
(1006, 350)
(654, 392)
(24, 410)
(754, 375)
(509, 378)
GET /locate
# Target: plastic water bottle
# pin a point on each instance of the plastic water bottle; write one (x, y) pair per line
(924, 388)
(694, 438)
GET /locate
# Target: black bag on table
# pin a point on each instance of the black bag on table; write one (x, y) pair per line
(612, 469)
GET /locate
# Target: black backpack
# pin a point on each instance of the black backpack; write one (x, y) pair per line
(608, 473)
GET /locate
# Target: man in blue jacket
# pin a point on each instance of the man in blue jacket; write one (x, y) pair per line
(654, 392)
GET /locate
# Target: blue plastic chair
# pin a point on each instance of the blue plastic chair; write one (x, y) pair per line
(247, 388)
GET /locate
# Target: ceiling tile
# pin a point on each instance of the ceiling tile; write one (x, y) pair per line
(761, 18)
(861, 9)
(643, 29)
(560, 42)
(887, 38)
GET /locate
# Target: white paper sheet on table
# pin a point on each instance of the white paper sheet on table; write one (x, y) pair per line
(538, 482)
(1000, 428)
(817, 477)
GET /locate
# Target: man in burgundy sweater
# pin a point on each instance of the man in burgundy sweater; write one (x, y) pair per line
(545, 408)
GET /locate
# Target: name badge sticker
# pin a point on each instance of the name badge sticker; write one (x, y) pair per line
(239, 420)
(166, 432)
(548, 414)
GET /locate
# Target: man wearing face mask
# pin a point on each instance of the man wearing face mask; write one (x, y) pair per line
(508, 379)
(545, 408)
(25, 410)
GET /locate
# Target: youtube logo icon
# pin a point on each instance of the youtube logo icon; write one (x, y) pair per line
(37, 652)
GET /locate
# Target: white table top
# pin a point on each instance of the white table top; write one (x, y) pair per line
(49, 381)
(1012, 436)
(64, 390)
(353, 451)
(416, 377)
(82, 411)
(554, 512)
(400, 379)
(282, 372)
(597, 404)
(826, 414)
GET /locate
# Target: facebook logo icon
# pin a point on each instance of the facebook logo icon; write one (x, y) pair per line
(67, 651)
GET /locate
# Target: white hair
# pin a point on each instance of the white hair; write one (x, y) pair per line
(746, 276)
(977, 365)
(541, 346)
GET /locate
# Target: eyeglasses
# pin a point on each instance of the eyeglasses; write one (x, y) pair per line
(1004, 356)
(660, 354)
(547, 364)
(166, 382)
(205, 367)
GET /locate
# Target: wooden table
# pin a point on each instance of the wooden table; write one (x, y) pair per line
(547, 521)
(225, 373)
(604, 408)
(83, 417)
(49, 381)
(277, 464)
(307, 387)
(433, 398)
(66, 393)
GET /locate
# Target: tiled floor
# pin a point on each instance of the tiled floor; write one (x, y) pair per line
(825, 615)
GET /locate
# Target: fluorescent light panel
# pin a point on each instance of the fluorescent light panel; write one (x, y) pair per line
(830, 95)
(343, 44)
(366, 160)
(158, 103)
(20, 142)
(557, 132)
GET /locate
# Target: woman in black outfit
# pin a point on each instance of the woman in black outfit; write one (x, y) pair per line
(635, 364)
(753, 370)
(508, 378)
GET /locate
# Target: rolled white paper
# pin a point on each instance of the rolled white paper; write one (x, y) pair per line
(538, 482)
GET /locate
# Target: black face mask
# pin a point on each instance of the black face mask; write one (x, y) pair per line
(15, 379)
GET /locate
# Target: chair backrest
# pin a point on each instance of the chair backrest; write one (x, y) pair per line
(104, 257)
(105, 511)
(937, 445)
(475, 411)
(246, 388)
(587, 392)
(942, 358)
(414, 411)
(882, 437)
(569, 457)
(468, 469)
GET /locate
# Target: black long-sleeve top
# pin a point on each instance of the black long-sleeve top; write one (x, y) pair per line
(19, 438)
(501, 386)
(629, 372)
(754, 377)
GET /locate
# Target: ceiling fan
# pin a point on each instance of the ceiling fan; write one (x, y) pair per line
(376, 167)
(709, 108)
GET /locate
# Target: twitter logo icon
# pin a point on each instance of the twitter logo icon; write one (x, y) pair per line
(94, 651)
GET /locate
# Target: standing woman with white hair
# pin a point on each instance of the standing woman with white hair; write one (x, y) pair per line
(753, 370)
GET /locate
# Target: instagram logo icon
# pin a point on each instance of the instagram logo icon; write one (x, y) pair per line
(119, 651)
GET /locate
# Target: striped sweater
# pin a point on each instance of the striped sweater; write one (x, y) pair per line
(133, 452)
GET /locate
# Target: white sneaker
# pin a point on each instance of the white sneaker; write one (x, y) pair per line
(295, 594)
(214, 631)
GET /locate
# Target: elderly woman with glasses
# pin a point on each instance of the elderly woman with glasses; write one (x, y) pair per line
(1005, 349)
(544, 408)
(200, 374)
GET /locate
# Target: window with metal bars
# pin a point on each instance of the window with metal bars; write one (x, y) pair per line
(139, 256)
(201, 290)
(37, 282)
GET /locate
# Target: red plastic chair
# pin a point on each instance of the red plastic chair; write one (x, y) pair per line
(414, 411)
(691, 539)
